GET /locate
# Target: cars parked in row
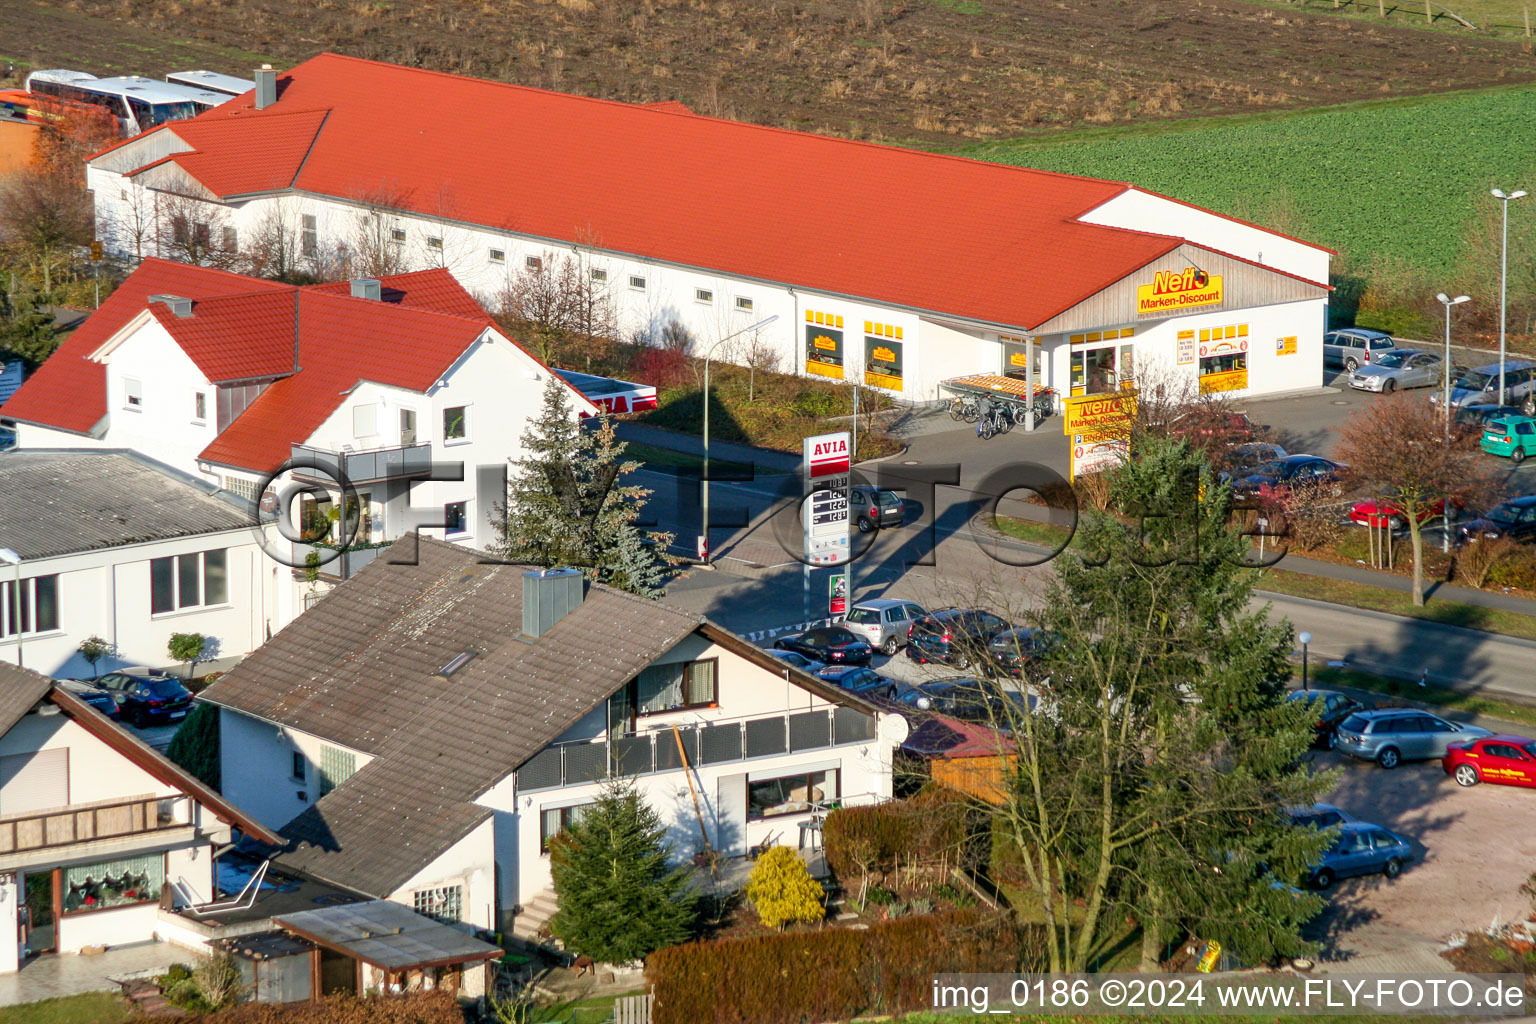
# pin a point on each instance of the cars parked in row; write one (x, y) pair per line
(1362, 849)
(1243, 459)
(953, 636)
(1473, 418)
(858, 679)
(968, 699)
(1383, 514)
(1010, 652)
(1503, 759)
(1353, 347)
(1330, 708)
(147, 698)
(830, 645)
(1514, 518)
(1390, 736)
(1400, 368)
(1288, 472)
(1320, 816)
(1480, 386)
(883, 623)
(797, 660)
(1510, 436)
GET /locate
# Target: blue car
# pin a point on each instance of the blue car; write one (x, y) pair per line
(1362, 849)
(857, 679)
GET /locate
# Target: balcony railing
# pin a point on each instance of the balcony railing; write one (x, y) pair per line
(581, 761)
(343, 566)
(402, 462)
(84, 823)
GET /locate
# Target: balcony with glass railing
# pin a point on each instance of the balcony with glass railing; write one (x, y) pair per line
(718, 742)
(399, 462)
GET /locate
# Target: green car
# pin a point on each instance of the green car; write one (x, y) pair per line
(1514, 436)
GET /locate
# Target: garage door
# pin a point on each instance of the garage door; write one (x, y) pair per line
(34, 782)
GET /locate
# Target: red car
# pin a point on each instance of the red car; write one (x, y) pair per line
(1510, 760)
(1382, 514)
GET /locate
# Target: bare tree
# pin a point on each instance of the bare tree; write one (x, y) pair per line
(272, 246)
(1399, 446)
(377, 245)
(131, 223)
(194, 231)
(44, 220)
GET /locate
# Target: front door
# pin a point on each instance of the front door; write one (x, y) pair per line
(407, 426)
(42, 933)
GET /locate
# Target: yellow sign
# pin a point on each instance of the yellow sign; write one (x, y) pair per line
(1018, 359)
(1285, 346)
(1170, 292)
(1097, 414)
(1228, 380)
(883, 354)
(1186, 350)
(882, 380)
(1210, 956)
(826, 344)
(824, 370)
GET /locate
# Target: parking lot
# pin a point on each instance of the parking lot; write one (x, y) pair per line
(1472, 850)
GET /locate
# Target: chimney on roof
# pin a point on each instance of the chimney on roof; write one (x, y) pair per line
(548, 596)
(266, 87)
(175, 303)
(367, 288)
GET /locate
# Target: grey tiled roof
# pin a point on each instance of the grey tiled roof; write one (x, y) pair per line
(57, 502)
(362, 669)
(20, 690)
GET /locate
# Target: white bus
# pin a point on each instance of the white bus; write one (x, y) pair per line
(137, 104)
(212, 81)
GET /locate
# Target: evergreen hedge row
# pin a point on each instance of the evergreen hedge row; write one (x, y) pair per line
(834, 974)
(932, 827)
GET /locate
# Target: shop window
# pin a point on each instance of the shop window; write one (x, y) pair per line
(112, 883)
(1223, 358)
(791, 794)
(883, 359)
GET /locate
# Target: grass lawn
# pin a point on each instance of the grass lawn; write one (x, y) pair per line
(88, 1008)
(1361, 595)
(1321, 588)
(583, 1011)
(1324, 676)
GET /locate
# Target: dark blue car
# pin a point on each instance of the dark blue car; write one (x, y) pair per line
(1362, 849)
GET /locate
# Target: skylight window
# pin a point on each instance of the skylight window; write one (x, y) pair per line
(459, 661)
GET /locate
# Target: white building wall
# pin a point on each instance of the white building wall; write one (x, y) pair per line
(11, 897)
(470, 864)
(1145, 211)
(165, 426)
(96, 771)
(257, 762)
(106, 593)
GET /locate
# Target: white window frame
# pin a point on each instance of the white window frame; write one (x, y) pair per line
(469, 425)
(435, 243)
(397, 236)
(309, 235)
(497, 256)
(178, 607)
(704, 296)
(133, 394)
(743, 304)
(200, 415)
(598, 275)
(365, 415)
(633, 286)
(533, 263)
(29, 606)
(467, 528)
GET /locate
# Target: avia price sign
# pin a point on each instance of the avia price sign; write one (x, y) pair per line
(826, 465)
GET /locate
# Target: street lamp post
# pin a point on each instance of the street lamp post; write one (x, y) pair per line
(1500, 195)
(7, 555)
(1445, 398)
(1305, 638)
(704, 483)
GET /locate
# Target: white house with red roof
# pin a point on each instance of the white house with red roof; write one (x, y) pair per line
(402, 385)
(889, 266)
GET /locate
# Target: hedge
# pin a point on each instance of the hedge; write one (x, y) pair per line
(834, 973)
(412, 1008)
(932, 828)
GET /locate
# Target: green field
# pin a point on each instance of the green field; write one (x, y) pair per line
(1398, 178)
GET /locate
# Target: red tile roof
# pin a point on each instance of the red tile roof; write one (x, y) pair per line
(220, 149)
(986, 241)
(243, 328)
(69, 391)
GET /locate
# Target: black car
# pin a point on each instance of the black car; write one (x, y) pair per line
(876, 509)
(1472, 417)
(954, 636)
(1010, 652)
(146, 699)
(1331, 708)
(1514, 518)
(1287, 472)
(833, 645)
(101, 700)
(858, 679)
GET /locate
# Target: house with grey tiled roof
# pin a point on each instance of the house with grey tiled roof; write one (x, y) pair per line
(116, 545)
(423, 731)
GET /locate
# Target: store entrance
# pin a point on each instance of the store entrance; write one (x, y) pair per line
(42, 924)
(1101, 369)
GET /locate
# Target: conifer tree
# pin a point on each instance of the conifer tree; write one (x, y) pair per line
(567, 507)
(618, 899)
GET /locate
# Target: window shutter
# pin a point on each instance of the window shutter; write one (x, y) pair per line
(34, 782)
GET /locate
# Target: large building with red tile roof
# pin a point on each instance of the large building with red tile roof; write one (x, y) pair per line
(231, 378)
(889, 266)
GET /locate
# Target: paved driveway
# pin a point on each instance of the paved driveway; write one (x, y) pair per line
(1472, 850)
